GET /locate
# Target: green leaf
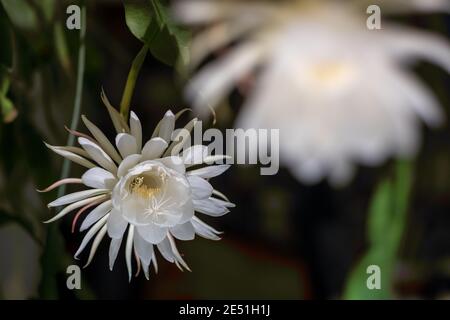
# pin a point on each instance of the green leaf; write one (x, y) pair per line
(149, 21)
(172, 41)
(139, 17)
(21, 13)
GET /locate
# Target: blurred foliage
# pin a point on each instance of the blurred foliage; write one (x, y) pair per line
(386, 224)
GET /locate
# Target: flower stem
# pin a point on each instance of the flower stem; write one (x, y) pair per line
(78, 97)
(131, 82)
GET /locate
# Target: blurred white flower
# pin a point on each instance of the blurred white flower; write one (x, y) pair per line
(150, 190)
(339, 93)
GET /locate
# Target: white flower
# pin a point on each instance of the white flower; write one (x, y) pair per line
(339, 93)
(148, 194)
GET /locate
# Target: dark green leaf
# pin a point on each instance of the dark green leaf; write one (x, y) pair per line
(150, 22)
(139, 16)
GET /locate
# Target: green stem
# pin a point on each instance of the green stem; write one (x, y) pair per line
(54, 249)
(131, 82)
(78, 97)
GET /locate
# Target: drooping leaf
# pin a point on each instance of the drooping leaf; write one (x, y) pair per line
(139, 17)
(172, 41)
(149, 21)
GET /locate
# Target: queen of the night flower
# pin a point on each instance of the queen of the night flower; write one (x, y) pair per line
(145, 195)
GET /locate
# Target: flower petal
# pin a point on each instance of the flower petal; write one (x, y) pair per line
(210, 171)
(143, 249)
(92, 231)
(204, 230)
(98, 154)
(136, 129)
(212, 207)
(195, 155)
(165, 250)
(114, 248)
(154, 148)
(95, 244)
(128, 163)
(129, 250)
(167, 126)
(71, 156)
(126, 144)
(76, 196)
(201, 189)
(119, 123)
(99, 178)
(152, 233)
(174, 163)
(74, 206)
(116, 224)
(183, 231)
(96, 215)
(102, 140)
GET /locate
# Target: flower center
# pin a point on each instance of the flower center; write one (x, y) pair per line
(147, 185)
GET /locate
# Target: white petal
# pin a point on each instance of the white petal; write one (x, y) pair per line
(143, 249)
(212, 207)
(182, 139)
(136, 129)
(166, 250)
(116, 224)
(76, 196)
(95, 244)
(216, 79)
(201, 189)
(154, 148)
(152, 233)
(177, 254)
(99, 178)
(98, 154)
(126, 144)
(167, 126)
(92, 231)
(128, 163)
(129, 250)
(114, 248)
(175, 163)
(410, 43)
(209, 172)
(96, 215)
(102, 140)
(74, 206)
(71, 156)
(216, 158)
(205, 230)
(195, 155)
(183, 231)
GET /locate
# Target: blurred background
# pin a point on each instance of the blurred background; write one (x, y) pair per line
(282, 241)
